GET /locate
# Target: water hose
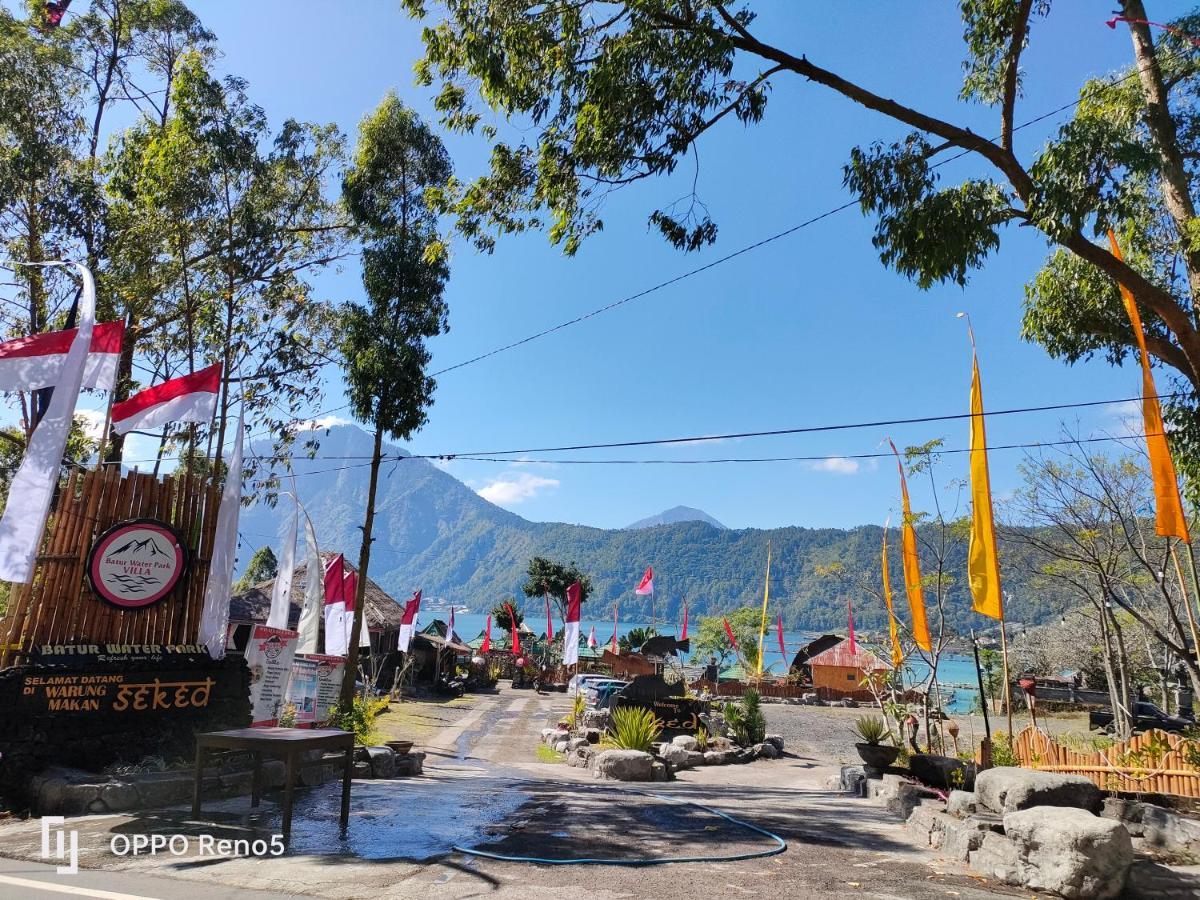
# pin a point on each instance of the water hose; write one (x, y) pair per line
(780, 846)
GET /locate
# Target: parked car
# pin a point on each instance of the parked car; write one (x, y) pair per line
(1146, 716)
(594, 691)
(579, 682)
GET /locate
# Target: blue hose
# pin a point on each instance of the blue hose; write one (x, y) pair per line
(780, 847)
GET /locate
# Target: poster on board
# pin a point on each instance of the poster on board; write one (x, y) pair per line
(302, 691)
(329, 684)
(269, 654)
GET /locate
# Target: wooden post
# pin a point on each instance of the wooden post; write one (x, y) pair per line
(1007, 684)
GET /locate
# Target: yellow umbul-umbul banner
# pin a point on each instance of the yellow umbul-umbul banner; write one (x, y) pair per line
(912, 564)
(897, 655)
(983, 568)
(1169, 519)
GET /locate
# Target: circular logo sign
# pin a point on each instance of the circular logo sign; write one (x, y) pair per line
(137, 563)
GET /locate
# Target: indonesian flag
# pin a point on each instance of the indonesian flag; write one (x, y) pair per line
(782, 646)
(350, 591)
(729, 634)
(36, 362)
(592, 638)
(336, 638)
(646, 585)
(487, 636)
(450, 626)
(189, 398)
(516, 638)
(613, 646)
(408, 622)
(683, 631)
(571, 626)
(549, 621)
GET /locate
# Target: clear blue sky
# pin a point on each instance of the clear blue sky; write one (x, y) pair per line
(809, 330)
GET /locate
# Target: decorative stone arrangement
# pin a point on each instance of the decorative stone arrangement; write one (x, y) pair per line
(667, 758)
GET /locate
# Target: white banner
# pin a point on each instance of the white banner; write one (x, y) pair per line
(269, 656)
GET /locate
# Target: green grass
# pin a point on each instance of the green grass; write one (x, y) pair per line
(547, 755)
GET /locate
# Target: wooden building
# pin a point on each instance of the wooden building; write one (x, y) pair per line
(839, 672)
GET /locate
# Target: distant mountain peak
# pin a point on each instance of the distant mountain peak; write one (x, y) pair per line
(677, 514)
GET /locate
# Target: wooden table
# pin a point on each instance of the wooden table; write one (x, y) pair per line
(285, 742)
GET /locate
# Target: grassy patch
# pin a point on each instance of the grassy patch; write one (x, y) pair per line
(547, 755)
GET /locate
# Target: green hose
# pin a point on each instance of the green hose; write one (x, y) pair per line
(780, 846)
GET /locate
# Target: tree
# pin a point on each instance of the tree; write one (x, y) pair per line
(632, 642)
(711, 639)
(618, 92)
(262, 567)
(548, 577)
(397, 160)
(500, 617)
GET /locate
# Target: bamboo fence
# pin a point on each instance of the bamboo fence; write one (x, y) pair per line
(58, 606)
(1154, 762)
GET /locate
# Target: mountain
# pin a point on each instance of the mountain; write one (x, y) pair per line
(435, 533)
(675, 515)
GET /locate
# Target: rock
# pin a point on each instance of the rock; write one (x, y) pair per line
(659, 771)
(716, 757)
(694, 758)
(596, 718)
(853, 780)
(553, 736)
(963, 837)
(960, 803)
(119, 796)
(942, 772)
(362, 770)
(624, 765)
(576, 743)
(929, 823)
(562, 746)
(274, 771)
(383, 762)
(409, 764)
(810, 699)
(1149, 880)
(157, 789)
(1007, 789)
(1164, 828)
(593, 735)
(766, 751)
(686, 741)
(580, 758)
(675, 755)
(1063, 850)
(906, 798)
(775, 740)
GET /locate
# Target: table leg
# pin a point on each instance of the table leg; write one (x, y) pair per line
(347, 771)
(256, 784)
(200, 751)
(289, 780)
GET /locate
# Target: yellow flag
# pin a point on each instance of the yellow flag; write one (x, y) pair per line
(983, 570)
(912, 565)
(762, 631)
(1168, 508)
(897, 655)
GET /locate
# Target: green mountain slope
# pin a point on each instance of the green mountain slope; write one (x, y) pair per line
(435, 533)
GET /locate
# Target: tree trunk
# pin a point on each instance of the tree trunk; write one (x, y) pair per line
(364, 560)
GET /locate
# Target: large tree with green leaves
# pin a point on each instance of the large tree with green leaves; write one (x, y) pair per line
(547, 577)
(404, 271)
(618, 92)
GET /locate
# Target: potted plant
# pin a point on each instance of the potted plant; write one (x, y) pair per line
(873, 730)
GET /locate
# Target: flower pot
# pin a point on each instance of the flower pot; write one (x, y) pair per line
(942, 772)
(878, 756)
(400, 747)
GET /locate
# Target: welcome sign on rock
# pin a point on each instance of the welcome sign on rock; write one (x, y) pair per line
(136, 563)
(269, 656)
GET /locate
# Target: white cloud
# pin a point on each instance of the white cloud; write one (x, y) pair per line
(1128, 417)
(515, 487)
(321, 423)
(838, 465)
(92, 421)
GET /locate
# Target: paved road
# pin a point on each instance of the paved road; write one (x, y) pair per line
(484, 787)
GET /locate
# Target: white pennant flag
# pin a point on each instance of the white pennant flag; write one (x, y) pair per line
(214, 619)
(32, 489)
(314, 594)
(281, 590)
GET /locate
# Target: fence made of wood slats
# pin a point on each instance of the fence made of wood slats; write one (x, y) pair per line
(58, 605)
(1154, 762)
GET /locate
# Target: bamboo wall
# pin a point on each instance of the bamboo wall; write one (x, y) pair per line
(58, 606)
(1150, 763)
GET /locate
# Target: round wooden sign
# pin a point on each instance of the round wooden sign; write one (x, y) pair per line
(136, 563)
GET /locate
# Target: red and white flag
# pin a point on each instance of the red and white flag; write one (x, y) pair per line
(408, 622)
(350, 591)
(683, 631)
(336, 638)
(646, 585)
(487, 636)
(571, 625)
(516, 637)
(189, 398)
(782, 646)
(36, 362)
(729, 634)
(450, 625)
(592, 638)
(613, 645)
(549, 621)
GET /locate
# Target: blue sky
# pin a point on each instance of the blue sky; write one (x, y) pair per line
(811, 329)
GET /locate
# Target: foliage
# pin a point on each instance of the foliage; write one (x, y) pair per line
(287, 715)
(711, 640)
(1003, 753)
(744, 720)
(578, 707)
(871, 729)
(500, 615)
(262, 567)
(548, 755)
(544, 576)
(702, 738)
(632, 642)
(634, 728)
(358, 717)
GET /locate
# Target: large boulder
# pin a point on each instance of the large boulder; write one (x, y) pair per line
(624, 765)
(383, 762)
(1065, 851)
(686, 741)
(942, 772)
(1008, 789)
(675, 755)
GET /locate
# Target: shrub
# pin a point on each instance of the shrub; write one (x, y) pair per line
(634, 728)
(871, 729)
(577, 709)
(1002, 750)
(702, 738)
(287, 715)
(747, 724)
(359, 719)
